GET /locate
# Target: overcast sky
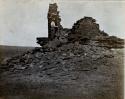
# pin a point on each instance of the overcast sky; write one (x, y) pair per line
(21, 21)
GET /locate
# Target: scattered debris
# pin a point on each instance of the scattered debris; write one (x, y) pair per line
(69, 57)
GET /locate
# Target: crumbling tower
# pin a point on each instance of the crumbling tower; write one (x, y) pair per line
(54, 26)
(54, 20)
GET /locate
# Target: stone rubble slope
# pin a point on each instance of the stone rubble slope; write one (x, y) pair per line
(81, 51)
(73, 62)
(72, 56)
(68, 65)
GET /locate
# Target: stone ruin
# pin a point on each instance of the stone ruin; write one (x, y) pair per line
(83, 31)
(53, 16)
(53, 31)
(85, 28)
(74, 62)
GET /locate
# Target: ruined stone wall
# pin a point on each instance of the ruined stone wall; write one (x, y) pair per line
(83, 31)
(84, 28)
(53, 32)
(53, 16)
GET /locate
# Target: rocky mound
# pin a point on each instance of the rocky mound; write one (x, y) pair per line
(85, 28)
(68, 57)
(72, 69)
(73, 62)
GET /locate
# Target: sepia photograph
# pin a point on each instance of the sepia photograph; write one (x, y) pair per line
(62, 49)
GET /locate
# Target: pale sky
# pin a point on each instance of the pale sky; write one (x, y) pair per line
(21, 21)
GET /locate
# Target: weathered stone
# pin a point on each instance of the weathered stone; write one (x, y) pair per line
(85, 28)
(85, 31)
(19, 67)
(110, 42)
(42, 40)
(77, 58)
(53, 16)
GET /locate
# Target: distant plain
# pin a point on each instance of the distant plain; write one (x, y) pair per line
(10, 51)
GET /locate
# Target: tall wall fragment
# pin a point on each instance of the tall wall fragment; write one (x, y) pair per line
(54, 20)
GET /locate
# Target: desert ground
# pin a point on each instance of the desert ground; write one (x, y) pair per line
(103, 82)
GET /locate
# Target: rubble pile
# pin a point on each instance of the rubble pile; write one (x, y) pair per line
(69, 69)
(70, 48)
(67, 58)
(110, 42)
